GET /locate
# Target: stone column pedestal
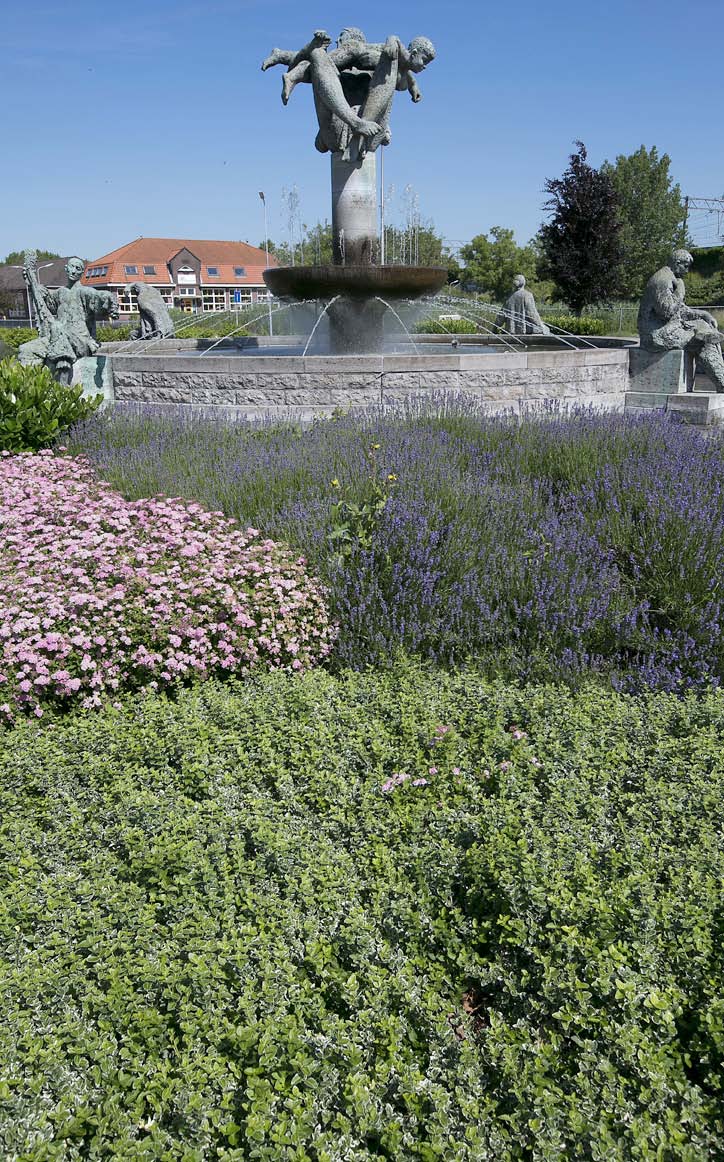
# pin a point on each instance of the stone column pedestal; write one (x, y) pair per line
(95, 373)
(354, 211)
(356, 326)
(661, 371)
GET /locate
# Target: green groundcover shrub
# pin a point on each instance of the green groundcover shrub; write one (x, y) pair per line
(401, 916)
(445, 327)
(577, 324)
(34, 409)
(14, 336)
(107, 333)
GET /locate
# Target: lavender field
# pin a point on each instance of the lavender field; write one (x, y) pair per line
(551, 549)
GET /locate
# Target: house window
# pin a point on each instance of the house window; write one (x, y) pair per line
(213, 300)
(149, 270)
(131, 269)
(240, 272)
(167, 295)
(241, 297)
(212, 271)
(127, 301)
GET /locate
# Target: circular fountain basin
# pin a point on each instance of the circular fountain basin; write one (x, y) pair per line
(324, 282)
(273, 379)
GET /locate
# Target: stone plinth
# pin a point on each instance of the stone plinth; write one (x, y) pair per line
(665, 372)
(94, 372)
(354, 210)
(698, 407)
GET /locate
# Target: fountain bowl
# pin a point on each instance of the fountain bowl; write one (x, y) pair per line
(325, 282)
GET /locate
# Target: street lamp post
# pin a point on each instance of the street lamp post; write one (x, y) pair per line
(266, 248)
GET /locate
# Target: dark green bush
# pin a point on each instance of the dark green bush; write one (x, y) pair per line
(707, 291)
(708, 260)
(221, 937)
(34, 409)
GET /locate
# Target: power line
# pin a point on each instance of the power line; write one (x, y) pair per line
(709, 210)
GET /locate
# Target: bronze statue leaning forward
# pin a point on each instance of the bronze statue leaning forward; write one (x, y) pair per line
(665, 323)
(155, 321)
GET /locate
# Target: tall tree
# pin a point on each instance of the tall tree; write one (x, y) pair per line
(416, 244)
(581, 242)
(651, 212)
(492, 261)
(314, 246)
(16, 257)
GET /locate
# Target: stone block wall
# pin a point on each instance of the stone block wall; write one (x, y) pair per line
(293, 386)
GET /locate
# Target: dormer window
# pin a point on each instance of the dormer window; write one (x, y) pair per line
(212, 271)
(149, 270)
(240, 272)
(131, 269)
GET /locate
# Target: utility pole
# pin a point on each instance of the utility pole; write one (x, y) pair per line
(266, 248)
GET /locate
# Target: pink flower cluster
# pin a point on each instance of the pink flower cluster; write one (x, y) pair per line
(99, 594)
(400, 777)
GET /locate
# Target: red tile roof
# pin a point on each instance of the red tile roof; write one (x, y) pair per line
(158, 252)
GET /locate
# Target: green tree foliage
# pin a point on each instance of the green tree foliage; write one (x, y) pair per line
(417, 244)
(580, 243)
(705, 283)
(704, 291)
(651, 213)
(16, 257)
(313, 249)
(492, 261)
(708, 260)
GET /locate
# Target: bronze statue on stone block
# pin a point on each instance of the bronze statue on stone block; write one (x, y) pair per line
(66, 319)
(666, 323)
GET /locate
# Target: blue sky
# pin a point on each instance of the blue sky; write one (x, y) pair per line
(126, 120)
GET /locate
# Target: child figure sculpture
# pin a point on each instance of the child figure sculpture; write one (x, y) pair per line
(353, 85)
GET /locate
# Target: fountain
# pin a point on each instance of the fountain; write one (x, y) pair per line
(353, 88)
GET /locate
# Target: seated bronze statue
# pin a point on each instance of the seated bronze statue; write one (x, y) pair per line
(666, 323)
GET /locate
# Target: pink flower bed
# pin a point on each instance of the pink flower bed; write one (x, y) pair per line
(99, 594)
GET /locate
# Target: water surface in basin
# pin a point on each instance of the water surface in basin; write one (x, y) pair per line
(426, 349)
